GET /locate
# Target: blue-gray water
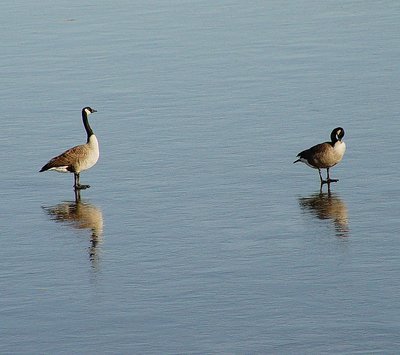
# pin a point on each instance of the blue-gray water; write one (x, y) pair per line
(198, 234)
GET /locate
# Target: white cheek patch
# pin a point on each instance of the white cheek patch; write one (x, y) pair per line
(87, 112)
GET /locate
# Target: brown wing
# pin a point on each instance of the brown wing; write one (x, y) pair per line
(320, 155)
(68, 159)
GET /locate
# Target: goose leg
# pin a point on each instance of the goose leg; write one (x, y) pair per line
(320, 177)
(328, 179)
(77, 185)
(76, 180)
(77, 195)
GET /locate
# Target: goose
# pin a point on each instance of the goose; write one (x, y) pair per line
(325, 155)
(79, 158)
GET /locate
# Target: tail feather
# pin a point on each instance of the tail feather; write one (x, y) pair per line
(52, 163)
(45, 167)
(298, 156)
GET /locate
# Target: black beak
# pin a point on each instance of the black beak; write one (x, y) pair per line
(93, 110)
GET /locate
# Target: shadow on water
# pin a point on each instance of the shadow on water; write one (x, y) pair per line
(81, 215)
(328, 206)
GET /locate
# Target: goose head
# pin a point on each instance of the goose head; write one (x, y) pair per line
(337, 134)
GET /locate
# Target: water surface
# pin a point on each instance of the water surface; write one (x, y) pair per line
(198, 234)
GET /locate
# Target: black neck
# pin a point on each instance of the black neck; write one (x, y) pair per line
(88, 129)
(334, 137)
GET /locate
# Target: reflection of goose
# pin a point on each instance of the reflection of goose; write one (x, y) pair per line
(79, 158)
(325, 155)
(328, 206)
(80, 215)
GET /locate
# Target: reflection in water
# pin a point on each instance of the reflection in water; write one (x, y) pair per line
(81, 215)
(328, 206)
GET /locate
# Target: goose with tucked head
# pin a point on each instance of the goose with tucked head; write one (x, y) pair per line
(325, 155)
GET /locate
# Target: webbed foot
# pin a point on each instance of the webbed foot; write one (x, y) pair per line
(328, 181)
(81, 187)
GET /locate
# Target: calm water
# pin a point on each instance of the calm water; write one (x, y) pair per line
(198, 234)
